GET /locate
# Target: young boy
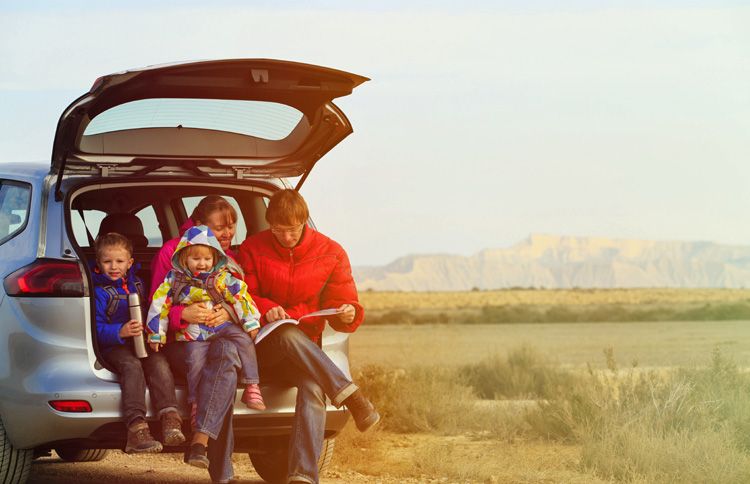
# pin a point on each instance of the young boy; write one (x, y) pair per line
(114, 278)
(201, 272)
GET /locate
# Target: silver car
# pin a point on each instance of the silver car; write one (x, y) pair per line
(137, 152)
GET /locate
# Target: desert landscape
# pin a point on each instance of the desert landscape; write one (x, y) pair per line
(618, 401)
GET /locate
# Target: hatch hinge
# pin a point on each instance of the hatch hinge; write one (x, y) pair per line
(239, 173)
(104, 169)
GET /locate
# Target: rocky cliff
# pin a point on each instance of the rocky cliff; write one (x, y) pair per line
(548, 261)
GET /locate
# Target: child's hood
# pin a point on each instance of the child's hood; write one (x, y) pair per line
(199, 235)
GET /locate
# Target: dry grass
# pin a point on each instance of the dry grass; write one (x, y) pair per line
(382, 301)
(653, 344)
(610, 423)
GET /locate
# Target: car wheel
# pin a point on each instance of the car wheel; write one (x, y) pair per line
(15, 464)
(74, 454)
(272, 466)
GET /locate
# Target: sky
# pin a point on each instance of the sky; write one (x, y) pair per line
(482, 124)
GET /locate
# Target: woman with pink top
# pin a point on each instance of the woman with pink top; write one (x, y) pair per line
(218, 384)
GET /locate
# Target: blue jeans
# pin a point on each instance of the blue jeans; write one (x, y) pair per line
(216, 392)
(197, 354)
(135, 373)
(288, 356)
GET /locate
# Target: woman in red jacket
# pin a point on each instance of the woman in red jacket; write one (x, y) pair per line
(292, 270)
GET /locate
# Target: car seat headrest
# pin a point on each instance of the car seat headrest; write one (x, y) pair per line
(126, 224)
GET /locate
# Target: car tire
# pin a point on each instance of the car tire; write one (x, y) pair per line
(15, 464)
(74, 454)
(272, 466)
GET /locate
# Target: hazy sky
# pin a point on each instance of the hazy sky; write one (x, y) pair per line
(482, 124)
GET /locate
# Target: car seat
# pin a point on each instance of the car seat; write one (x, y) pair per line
(126, 224)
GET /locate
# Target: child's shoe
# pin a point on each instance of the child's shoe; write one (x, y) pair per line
(197, 456)
(171, 428)
(252, 397)
(140, 439)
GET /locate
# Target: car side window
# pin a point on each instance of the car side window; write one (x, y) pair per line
(86, 223)
(191, 202)
(150, 223)
(15, 200)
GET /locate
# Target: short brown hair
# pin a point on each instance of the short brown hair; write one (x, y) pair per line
(211, 204)
(185, 252)
(112, 239)
(287, 207)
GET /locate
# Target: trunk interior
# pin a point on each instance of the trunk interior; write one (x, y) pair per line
(150, 213)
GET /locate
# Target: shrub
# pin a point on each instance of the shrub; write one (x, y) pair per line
(689, 426)
(522, 374)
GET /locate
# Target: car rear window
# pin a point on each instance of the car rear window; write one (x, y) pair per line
(260, 119)
(15, 199)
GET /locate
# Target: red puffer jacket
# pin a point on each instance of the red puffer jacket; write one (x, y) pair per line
(313, 275)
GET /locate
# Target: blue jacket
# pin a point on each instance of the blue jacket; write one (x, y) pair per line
(108, 329)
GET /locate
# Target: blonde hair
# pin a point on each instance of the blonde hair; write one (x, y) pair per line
(287, 207)
(194, 250)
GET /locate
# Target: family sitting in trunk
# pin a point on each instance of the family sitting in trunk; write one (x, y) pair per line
(199, 291)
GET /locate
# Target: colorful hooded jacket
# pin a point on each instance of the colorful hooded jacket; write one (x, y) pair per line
(108, 328)
(162, 264)
(232, 289)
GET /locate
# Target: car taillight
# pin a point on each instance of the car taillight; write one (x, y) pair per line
(46, 277)
(73, 406)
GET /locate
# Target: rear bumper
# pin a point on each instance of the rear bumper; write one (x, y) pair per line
(45, 427)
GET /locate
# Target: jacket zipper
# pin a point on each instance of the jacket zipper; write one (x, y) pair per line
(291, 278)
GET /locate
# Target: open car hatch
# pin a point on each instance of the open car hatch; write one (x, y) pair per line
(247, 116)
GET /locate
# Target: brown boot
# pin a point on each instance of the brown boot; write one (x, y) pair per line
(140, 439)
(171, 428)
(363, 412)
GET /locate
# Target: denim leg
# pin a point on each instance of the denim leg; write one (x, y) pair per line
(132, 382)
(175, 353)
(288, 342)
(196, 354)
(245, 350)
(308, 429)
(220, 451)
(216, 393)
(160, 382)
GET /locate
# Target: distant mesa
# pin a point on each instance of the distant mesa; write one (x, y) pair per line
(560, 262)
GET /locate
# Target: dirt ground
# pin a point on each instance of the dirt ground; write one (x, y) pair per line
(495, 461)
(119, 467)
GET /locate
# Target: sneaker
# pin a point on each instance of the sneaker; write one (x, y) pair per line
(252, 397)
(140, 439)
(197, 456)
(171, 428)
(363, 412)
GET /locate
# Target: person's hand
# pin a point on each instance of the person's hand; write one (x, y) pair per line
(253, 333)
(155, 347)
(130, 329)
(274, 314)
(196, 313)
(346, 313)
(218, 315)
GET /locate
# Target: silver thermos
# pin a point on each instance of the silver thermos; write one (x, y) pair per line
(134, 304)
